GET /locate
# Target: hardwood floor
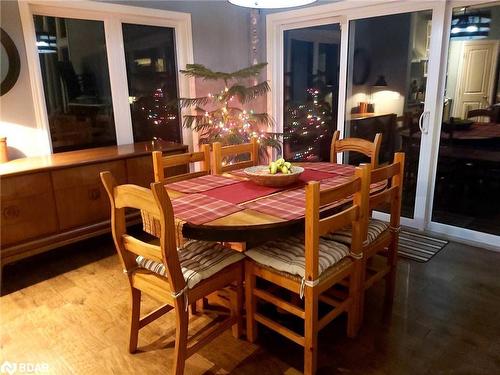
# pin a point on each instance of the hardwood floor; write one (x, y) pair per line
(69, 308)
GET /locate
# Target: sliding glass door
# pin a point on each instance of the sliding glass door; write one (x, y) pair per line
(397, 76)
(467, 183)
(367, 74)
(387, 73)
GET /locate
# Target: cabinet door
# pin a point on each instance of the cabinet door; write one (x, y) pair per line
(28, 208)
(80, 196)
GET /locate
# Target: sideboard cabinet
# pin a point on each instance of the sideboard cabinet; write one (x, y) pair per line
(54, 200)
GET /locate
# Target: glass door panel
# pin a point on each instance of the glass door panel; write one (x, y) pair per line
(386, 88)
(152, 82)
(466, 192)
(311, 86)
(75, 76)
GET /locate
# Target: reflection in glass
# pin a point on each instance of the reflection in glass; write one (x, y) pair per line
(76, 84)
(152, 82)
(467, 188)
(311, 91)
(386, 83)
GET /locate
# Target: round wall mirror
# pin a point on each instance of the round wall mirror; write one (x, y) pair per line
(10, 63)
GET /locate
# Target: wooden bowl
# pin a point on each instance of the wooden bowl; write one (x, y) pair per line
(261, 176)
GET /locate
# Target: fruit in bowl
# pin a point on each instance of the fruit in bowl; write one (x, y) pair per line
(278, 174)
(280, 165)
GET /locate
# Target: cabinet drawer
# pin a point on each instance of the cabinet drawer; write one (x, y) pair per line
(27, 208)
(25, 186)
(80, 196)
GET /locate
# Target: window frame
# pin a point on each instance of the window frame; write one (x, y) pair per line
(112, 15)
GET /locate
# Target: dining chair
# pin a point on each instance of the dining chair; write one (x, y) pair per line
(370, 149)
(382, 237)
(177, 277)
(313, 268)
(161, 162)
(483, 112)
(221, 153)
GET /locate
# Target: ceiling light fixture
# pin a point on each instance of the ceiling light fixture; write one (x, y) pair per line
(46, 43)
(271, 4)
(472, 25)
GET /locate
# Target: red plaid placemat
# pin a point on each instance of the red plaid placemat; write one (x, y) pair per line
(199, 208)
(199, 184)
(343, 169)
(290, 204)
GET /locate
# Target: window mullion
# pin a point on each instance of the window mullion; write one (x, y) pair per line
(118, 80)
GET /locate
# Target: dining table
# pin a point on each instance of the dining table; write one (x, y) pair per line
(232, 208)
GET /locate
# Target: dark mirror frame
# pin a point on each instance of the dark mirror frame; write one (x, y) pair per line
(14, 63)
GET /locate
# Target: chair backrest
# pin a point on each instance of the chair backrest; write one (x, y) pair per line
(393, 174)
(156, 203)
(161, 162)
(355, 214)
(480, 113)
(220, 153)
(370, 149)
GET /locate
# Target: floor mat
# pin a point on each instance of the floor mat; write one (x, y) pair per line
(419, 247)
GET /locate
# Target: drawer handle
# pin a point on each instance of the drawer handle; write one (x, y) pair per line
(11, 212)
(94, 194)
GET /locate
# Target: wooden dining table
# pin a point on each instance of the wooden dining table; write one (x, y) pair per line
(231, 208)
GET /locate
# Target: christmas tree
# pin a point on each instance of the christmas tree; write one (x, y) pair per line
(224, 116)
(307, 126)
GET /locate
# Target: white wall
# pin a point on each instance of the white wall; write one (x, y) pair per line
(17, 116)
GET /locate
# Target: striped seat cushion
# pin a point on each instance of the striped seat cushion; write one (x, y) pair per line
(199, 260)
(375, 229)
(287, 255)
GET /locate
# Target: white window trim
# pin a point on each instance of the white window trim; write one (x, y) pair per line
(112, 15)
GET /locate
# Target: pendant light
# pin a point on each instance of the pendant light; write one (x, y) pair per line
(472, 25)
(46, 43)
(271, 4)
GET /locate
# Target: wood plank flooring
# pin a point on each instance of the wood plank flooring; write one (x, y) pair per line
(69, 308)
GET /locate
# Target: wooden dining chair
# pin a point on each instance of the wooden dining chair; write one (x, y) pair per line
(160, 163)
(220, 153)
(482, 112)
(311, 267)
(382, 238)
(177, 277)
(370, 149)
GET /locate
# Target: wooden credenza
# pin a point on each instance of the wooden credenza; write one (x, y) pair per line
(50, 201)
(366, 126)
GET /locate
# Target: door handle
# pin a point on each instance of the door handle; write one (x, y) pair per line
(423, 128)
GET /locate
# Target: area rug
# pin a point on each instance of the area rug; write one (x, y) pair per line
(419, 247)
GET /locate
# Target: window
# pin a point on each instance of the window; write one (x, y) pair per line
(93, 64)
(76, 84)
(152, 82)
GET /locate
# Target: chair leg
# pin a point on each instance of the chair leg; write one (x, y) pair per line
(390, 279)
(357, 294)
(237, 307)
(181, 334)
(311, 331)
(250, 302)
(193, 307)
(135, 316)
